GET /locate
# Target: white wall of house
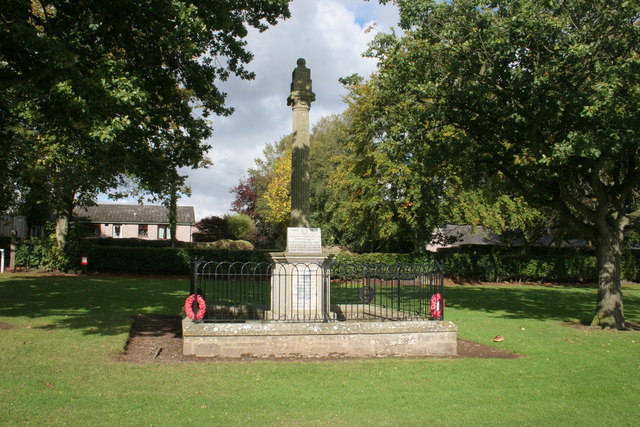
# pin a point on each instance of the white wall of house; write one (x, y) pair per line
(184, 233)
(153, 232)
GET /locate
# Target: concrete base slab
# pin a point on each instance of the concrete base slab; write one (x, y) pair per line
(319, 340)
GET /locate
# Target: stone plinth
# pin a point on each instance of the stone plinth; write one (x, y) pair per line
(299, 286)
(315, 340)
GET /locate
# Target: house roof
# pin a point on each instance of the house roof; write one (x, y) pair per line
(459, 235)
(452, 235)
(136, 214)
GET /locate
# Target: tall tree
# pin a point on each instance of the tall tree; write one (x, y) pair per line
(91, 91)
(543, 95)
(264, 194)
(386, 194)
(246, 197)
(327, 145)
(250, 191)
(277, 198)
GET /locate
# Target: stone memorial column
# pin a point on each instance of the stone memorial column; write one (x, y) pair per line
(300, 101)
(300, 278)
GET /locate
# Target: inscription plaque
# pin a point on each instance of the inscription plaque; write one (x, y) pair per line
(305, 291)
(304, 240)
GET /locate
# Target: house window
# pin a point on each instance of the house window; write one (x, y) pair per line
(117, 230)
(37, 231)
(92, 230)
(163, 232)
(143, 230)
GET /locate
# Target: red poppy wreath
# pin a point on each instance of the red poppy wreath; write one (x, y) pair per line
(188, 307)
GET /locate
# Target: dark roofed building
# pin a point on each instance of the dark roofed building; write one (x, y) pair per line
(136, 221)
(453, 236)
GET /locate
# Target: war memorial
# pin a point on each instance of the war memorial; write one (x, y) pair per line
(304, 304)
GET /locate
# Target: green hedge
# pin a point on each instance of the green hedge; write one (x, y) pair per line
(143, 260)
(631, 265)
(497, 266)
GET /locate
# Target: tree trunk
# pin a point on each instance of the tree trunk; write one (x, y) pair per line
(62, 229)
(63, 217)
(609, 310)
(173, 215)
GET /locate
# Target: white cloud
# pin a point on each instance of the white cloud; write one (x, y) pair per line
(330, 35)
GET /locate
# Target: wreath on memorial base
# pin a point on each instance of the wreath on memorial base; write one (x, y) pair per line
(188, 307)
(437, 306)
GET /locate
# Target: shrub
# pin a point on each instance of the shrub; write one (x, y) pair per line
(212, 228)
(236, 245)
(43, 253)
(240, 226)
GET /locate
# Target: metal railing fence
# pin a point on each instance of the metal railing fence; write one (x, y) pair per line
(250, 291)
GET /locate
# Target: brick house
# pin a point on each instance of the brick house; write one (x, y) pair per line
(135, 221)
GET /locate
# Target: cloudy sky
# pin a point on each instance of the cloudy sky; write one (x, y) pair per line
(331, 36)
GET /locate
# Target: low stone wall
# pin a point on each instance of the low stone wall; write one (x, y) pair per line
(319, 340)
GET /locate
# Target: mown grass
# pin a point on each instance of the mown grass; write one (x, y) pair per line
(58, 365)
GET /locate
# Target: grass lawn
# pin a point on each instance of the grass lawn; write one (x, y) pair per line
(59, 336)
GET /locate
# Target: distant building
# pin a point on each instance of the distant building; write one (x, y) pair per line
(454, 236)
(10, 223)
(135, 221)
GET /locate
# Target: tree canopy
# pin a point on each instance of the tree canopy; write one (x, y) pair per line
(265, 193)
(539, 99)
(92, 91)
(250, 192)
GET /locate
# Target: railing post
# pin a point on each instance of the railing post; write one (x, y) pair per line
(326, 279)
(192, 280)
(399, 294)
(194, 272)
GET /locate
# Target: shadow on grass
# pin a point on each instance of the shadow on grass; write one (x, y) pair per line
(542, 303)
(100, 305)
(105, 305)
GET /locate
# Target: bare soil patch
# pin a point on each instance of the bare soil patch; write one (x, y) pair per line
(158, 339)
(155, 339)
(474, 350)
(4, 325)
